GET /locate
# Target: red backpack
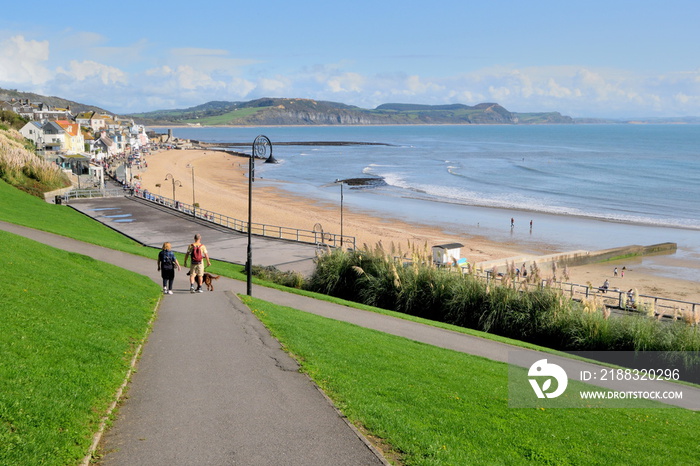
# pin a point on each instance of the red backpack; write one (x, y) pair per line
(196, 253)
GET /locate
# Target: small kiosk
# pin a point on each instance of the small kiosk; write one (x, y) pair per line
(445, 255)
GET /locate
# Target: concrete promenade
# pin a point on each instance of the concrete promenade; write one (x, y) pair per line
(152, 224)
(212, 386)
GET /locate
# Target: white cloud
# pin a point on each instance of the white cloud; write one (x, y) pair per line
(268, 85)
(208, 60)
(84, 70)
(240, 87)
(554, 89)
(22, 61)
(686, 100)
(346, 82)
(499, 94)
(190, 78)
(159, 72)
(166, 79)
(417, 85)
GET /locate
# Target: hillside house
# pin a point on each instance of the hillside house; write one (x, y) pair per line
(54, 137)
(92, 120)
(32, 131)
(104, 145)
(74, 141)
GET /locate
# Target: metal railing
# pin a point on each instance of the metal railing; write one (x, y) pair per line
(319, 238)
(619, 299)
(93, 193)
(655, 306)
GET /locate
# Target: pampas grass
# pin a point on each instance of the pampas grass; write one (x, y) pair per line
(410, 283)
(24, 169)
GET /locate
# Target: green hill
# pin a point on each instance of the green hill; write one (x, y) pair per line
(76, 107)
(281, 111)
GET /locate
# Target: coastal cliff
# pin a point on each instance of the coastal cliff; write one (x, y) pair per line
(279, 111)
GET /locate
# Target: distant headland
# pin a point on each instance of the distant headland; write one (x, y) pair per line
(287, 112)
(278, 111)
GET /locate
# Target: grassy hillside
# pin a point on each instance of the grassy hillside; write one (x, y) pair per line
(439, 407)
(64, 348)
(76, 107)
(65, 345)
(231, 117)
(19, 208)
(21, 167)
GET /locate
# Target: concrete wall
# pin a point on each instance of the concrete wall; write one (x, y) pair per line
(625, 251)
(51, 195)
(580, 257)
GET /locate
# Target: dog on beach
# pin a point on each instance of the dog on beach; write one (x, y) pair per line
(207, 278)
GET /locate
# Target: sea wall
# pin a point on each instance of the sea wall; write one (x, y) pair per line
(581, 257)
(573, 260)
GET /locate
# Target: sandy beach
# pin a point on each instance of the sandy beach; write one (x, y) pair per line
(221, 185)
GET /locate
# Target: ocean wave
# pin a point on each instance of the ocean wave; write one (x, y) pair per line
(516, 201)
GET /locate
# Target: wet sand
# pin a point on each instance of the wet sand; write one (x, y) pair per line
(221, 185)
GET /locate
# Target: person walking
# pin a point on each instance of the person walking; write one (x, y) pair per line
(166, 266)
(196, 253)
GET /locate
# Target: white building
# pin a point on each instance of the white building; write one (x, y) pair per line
(448, 254)
(32, 131)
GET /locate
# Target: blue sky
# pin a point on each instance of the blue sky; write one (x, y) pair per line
(584, 59)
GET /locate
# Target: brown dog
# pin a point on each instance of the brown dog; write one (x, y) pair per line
(207, 278)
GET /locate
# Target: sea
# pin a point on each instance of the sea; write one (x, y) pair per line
(569, 187)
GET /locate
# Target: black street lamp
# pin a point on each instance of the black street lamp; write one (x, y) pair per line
(261, 144)
(341, 211)
(175, 183)
(194, 203)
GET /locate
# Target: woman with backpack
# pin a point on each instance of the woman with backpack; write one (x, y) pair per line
(166, 265)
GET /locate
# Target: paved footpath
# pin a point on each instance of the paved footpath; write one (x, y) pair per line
(213, 387)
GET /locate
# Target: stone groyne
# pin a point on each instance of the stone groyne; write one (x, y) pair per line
(582, 257)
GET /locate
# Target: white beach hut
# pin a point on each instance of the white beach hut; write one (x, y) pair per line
(447, 254)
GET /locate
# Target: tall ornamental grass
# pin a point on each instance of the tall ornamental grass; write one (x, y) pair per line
(24, 169)
(408, 282)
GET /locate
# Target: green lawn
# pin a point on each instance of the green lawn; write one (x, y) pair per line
(436, 406)
(229, 118)
(22, 209)
(65, 343)
(69, 326)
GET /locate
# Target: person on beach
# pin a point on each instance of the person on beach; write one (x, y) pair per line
(615, 272)
(512, 222)
(605, 286)
(196, 253)
(166, 266)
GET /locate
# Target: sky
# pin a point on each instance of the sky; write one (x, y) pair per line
(605, 59)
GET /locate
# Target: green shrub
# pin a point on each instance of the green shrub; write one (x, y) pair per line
(290, 279)
(543, 316)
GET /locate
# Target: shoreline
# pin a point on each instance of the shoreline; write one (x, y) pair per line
(563, 214)
(220, 185)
